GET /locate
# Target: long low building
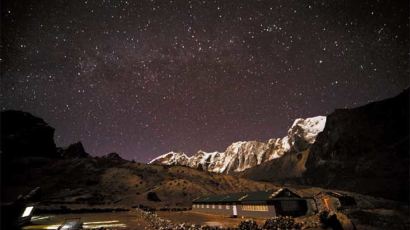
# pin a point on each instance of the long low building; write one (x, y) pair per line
(265, 204)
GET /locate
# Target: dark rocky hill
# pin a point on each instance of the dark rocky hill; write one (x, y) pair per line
(364, 149)
(284, 170)
(23, 134)
(75, 150)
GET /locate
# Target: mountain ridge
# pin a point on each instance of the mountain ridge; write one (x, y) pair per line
(242, 155)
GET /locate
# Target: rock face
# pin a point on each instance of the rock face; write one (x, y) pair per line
(289, 167)
(113, 157)
(23, 134)
(291, 164)
(75, 150)
(243, 155)
(365, 150)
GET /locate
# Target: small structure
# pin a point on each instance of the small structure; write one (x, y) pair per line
(333, 201)
(265, 204)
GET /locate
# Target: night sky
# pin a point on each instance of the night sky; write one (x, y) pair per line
(142, 78)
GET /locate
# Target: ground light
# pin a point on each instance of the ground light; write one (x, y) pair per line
(86, 225)
(27, 211)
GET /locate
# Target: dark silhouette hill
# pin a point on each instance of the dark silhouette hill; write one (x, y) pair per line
(23, 134)
(364, 150)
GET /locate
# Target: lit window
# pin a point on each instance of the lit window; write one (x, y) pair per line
(207, 206)
(220, 206)
(256, 208)
(227, 206)
(213, 206)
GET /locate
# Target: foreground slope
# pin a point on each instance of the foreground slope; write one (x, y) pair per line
(102, 181)
(71, 176)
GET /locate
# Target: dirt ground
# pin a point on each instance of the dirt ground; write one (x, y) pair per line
(133, 220)
(193, 217)
(115, 220)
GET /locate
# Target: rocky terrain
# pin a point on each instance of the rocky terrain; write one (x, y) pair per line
(100, 181)
(243, 155)
(287, 169)
(370, 213)
(70, 176)
(71, 180)
(365, 149)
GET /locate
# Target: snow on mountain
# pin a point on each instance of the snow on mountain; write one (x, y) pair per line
(308, 128)
(242, 155)
(171, 158)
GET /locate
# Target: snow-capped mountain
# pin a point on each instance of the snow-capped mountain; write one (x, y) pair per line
(172, 158)
(246, 154)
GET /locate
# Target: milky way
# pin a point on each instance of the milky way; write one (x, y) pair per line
(142, 78)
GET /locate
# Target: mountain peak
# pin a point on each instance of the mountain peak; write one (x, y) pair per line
(75, 150)
(242, 155)
(171, 158)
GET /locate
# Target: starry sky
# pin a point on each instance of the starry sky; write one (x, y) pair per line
(142, 78)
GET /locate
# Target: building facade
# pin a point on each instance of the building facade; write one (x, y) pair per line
(263, 204)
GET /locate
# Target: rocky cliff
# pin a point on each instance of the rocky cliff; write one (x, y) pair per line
(23, 134)
(365, 150)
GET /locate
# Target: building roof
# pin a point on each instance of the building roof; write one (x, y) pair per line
(333, 193)
(249, 197)
(220, 198)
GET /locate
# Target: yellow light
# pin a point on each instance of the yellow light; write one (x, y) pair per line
(103, 222)
(32, 227)
(105, 226)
